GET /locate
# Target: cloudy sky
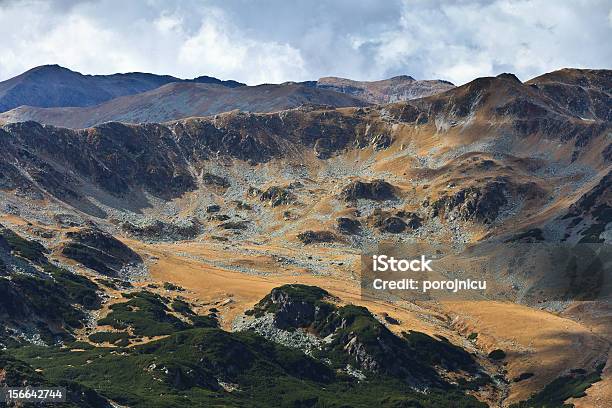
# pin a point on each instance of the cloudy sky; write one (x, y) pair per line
(280, 40)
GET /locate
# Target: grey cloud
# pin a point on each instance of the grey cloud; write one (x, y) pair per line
(276, 40)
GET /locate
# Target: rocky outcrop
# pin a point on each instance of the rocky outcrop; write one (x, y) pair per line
(395, 222)
(348, 226)
(294, 306)
(314, 237)
(591, 214)
(214, 180)
(276, 196)
(157, 230)
(350, 336)
(101, 252)
(478, 203)
(378, 190)
(393, 225)
(234, 225)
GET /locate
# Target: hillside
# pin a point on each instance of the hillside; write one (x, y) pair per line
(238, 238)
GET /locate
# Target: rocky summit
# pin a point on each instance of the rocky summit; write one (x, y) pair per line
(196, 241)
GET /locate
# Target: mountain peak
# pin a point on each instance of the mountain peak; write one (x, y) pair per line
(510, 76)
(402, 78)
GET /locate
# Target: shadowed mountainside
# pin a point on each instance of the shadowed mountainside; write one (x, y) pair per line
(55, 86)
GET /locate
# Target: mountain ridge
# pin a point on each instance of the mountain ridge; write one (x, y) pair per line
(56, 86)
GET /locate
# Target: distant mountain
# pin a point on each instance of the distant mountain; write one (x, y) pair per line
(399, 88)
(184, 99)
(54, 86)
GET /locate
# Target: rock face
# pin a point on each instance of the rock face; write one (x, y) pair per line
(313, 237)
(276, 196)
(294, 305)
(158, 230)
(377, 190)
(480, 204)
(591, 214)
(394, 225)
(100, 251)
(348, 226)
(583, 92)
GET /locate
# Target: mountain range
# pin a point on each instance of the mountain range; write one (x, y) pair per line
(58, 96)
(198, 260)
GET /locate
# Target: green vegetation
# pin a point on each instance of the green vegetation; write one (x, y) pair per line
(76, 288)
(118, 338)
(172, 287)
(46, 295)
(473, 336)
(497, 354)
(442, 353)
(554, 394)
(186, 368)
(298, 293)
(146, 313)
(360, 340)
(180, 306)
(30, 250)
(17, 373)
(522, 377)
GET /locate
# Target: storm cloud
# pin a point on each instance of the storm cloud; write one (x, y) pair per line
(279, 40)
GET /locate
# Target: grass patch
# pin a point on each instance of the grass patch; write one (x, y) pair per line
(30, 250)
(184, 370)
(146, 313)
(109, 337)
(555, 393)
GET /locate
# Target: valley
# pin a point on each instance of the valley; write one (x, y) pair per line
(199, 232)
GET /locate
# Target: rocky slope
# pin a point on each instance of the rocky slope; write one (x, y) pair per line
(55, 86)
(394, 89)
(232, 205)
(481, 148)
